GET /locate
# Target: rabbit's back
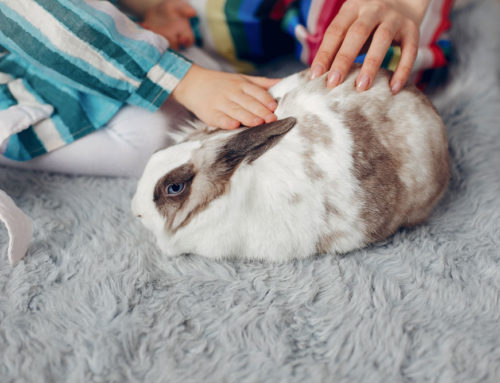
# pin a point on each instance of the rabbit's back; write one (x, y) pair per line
(378, 161)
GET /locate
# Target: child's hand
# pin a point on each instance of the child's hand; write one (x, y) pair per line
(226, 100)
(344, 38)
(170, 18)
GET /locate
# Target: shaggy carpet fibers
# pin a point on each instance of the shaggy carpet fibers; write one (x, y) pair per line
(94, 301)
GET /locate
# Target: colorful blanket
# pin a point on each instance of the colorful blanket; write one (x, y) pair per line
(249, 32)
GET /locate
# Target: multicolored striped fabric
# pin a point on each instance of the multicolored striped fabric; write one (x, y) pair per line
(248, 32)
(68, 66)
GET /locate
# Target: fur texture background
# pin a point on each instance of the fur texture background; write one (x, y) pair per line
(94, 302)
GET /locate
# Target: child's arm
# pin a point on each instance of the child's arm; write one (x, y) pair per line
(93, 48)
(218, 99)
(388, 21)
(132, 68)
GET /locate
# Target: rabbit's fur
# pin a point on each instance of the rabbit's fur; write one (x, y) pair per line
(338, 170)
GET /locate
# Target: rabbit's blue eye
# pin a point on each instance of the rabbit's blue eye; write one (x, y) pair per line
(174, 189)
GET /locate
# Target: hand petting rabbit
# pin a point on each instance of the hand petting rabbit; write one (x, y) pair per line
(337, 171)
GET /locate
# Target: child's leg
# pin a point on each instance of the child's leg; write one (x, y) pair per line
(120, 149)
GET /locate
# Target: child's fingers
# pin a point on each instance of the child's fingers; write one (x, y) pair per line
(186, 38)
(409, 50)
(381, 42)
(261, 95)
(354, 40)
(223, 121)
(239, 113)
(172, 42)
(332, 40)
(254, 106)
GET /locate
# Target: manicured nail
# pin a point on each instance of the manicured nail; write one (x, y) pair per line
(333, 79)
(396, 86)
(316, 71)
(363, 82)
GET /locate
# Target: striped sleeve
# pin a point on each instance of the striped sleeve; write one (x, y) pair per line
(93, 48)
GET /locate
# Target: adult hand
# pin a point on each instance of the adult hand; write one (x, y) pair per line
(226, 100)
(356, 21)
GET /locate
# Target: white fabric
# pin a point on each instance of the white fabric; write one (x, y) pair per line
(19, 117)
(121, 149)
(18, 226)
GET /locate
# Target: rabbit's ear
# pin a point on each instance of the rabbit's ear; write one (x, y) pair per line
(251, 143)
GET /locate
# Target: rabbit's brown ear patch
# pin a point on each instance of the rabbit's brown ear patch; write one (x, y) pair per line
(250, 144)
(377, 172)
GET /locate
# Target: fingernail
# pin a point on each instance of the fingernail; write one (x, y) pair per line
(333, 78)
(272, 105)
(396, 86)
(231, 124)
(234, 124)
(270, 118)
(256, 121)
(316, 71)
(363, 82)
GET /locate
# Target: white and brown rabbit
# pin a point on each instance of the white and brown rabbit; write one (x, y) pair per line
(338, 170)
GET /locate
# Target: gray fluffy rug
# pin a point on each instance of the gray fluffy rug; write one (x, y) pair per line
(94, 302)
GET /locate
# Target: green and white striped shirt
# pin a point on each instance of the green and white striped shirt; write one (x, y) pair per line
(68, 66)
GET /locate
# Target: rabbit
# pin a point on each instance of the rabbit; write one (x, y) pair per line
(339, 169)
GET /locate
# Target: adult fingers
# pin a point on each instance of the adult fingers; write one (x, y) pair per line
(381, 42)
(332, 40)
(354, 40)
(409, 50)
